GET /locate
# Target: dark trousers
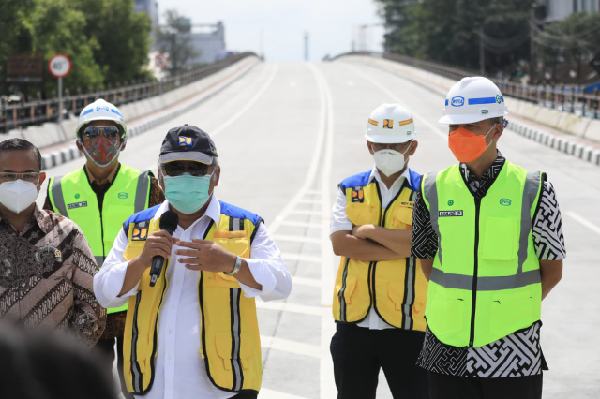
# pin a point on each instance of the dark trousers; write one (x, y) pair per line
(106, 347)
(245, 395)
(359, 354)
(446, 387)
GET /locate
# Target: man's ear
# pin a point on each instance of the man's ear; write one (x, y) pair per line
(413, 147)
(79, 145)
(370, 148)
(216, 176)
(41, 179)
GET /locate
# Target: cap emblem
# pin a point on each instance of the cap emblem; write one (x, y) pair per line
(185, 141)
(457, 101)
(389, 123)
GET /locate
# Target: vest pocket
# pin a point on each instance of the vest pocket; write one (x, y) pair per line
(401, 217)
(448, 311)
(395, 294)
(238, 246)
(348, 289)
(220, 280)
(499, 239)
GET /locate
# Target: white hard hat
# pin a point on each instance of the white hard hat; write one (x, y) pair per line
(390, 123)
(101, 110)
(471, 100)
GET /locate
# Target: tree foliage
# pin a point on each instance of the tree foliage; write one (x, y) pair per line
(450, 31)
(107, 41)
(174, 38)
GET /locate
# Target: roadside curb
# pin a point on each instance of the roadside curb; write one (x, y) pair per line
(582, 151)
(71, 153)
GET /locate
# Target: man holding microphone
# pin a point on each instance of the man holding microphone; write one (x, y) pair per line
(193, 332)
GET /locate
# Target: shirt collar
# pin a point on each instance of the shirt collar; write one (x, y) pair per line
(213, 210)
(490, 174)
(376, 175)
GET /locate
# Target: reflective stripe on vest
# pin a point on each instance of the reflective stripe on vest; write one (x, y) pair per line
(395, 288)
(230, 340)
(476, 300)
(72, 196)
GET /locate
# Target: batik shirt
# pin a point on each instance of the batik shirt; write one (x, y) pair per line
(518, 354)
(46, 277)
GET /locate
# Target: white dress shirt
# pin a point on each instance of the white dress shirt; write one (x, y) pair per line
(340, 221)
(180, 372)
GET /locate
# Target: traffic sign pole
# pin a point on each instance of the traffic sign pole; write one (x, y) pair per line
(60, 100)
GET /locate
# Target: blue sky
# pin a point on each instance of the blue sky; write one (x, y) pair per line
(331, 24)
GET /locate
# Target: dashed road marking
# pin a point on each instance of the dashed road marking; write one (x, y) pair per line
(293, 238)
(290, 307)
(286, 345)
(307, 281)
(302, 258)
(584, 222)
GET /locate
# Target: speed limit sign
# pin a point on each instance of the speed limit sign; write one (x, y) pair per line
(59, 65)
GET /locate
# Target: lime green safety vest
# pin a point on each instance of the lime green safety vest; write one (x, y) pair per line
(485, 282)
(73, 197)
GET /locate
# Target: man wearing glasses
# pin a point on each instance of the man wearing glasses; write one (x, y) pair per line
(46, 266)
(102, 194)
(194, 333)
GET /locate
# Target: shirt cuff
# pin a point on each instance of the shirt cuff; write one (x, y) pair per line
(114, 279)
(262, 275)
(335, 227)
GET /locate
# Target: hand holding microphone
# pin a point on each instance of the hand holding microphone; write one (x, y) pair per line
(159, 244)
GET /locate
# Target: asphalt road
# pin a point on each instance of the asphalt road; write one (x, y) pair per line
(288, 133)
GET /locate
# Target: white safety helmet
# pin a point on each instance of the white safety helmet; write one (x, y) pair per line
(390, 123)
(102, 110)
(471, 100)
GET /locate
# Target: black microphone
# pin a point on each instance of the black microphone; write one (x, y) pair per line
(168, 221)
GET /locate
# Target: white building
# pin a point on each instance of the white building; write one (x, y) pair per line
(150, 8)
(557, 10)
(208, 42)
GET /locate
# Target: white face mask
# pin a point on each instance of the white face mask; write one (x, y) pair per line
(17, 195)
(389, 161)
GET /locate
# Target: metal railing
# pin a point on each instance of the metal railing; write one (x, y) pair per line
(37, 112)
(560, 97)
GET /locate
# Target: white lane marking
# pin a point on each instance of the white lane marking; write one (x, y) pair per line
(422, 119)
(305, 212)
(290, 346)
(270, 394)
(308, 181)
(584, 222)
(232, 119)
(327, 385)
(290, 307)
(309, 201)
(313, 192)
(302, 258)
(292, 238)
(307, 281)
(306, 225)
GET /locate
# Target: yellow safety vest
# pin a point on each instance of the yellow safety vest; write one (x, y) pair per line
(72, 196)
(485, 282)
(229, 335)
(395, 288)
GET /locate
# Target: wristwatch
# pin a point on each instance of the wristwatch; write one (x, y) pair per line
(236, 266)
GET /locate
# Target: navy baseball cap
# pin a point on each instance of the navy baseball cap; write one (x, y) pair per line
(188, 143)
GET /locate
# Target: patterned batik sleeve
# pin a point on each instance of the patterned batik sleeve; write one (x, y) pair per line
(424, 238)
(547, 227)
(88, 318)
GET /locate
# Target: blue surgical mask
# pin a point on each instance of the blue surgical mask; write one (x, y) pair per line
(187, 193)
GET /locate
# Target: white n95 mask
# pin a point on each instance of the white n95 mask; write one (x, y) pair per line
(17, 195)
(389, 161)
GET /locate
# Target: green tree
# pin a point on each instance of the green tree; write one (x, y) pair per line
(569, 45)
(15, 37)
(122, 36)
(450, 31)
(174, 38)
(56, 26)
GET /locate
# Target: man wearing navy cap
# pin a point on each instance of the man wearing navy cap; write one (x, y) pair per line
(195, 332)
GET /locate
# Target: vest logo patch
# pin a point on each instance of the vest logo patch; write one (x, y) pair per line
(450, 202)
(77, 196)
(358, 194)
(139, 231)
(75, 205)
(505, 202)
(122, 195)
(450, 213)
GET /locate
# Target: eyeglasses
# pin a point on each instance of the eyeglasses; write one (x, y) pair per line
(31, 177)
(178, 168)
(92, 132)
